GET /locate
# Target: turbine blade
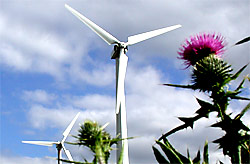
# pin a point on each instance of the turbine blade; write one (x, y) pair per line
(147, 35)
(98, 30)
(67, 152)
(68, 129)
(43, 143)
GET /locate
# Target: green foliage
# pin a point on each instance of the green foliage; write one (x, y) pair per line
(203, 111)
(159, 157)
(212, 76)
(205, 154)
(238, 132)
(211, 73)
(212, 80)
(173, 156)
(121, 155)
(93, 136)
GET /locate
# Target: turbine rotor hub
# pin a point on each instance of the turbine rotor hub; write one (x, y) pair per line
(59, 146)
(123, 44)
(117, 48)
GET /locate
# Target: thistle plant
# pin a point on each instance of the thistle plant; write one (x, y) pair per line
(94, 137)
(201, 46)
(212, 76)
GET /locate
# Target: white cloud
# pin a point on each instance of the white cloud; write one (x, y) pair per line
(13, 58)
(26, 48)
(152, 109)
(94, 107)
(39, 96)
(48, 39)
(101, 75)
(93, 102)
(24, 160)
(42, 117)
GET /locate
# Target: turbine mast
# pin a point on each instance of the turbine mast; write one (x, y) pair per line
(59, 156)
(121, 118)
(119, 54)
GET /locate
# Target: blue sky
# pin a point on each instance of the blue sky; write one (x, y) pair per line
(53, 66)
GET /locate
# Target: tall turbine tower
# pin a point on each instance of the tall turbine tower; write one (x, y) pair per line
(59, 144)
(119, 54)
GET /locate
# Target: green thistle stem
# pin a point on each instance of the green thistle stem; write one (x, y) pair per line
(220, 113)
(220, 101)
(239, 153)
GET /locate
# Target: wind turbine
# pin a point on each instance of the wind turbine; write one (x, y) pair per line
(119, 54)
(59, 144)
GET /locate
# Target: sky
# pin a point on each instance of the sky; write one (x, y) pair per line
(53, 66)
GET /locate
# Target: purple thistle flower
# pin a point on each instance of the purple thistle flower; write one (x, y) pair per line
(200, 46)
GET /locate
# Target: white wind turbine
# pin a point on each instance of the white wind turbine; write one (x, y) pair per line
(119, 53)
(59, 144)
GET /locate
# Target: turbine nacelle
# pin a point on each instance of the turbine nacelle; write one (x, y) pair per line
(116, 51)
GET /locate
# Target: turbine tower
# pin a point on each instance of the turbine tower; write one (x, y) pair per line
(59, 144)
(119, 54)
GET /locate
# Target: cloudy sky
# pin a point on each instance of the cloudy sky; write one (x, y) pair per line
(53, 66)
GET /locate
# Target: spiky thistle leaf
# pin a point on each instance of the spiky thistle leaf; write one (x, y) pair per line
(205, 153)
(197, 159)
(180, 86)
(234, 76)
(205, 108)
(170, 153)
(242, 112)
(243, 41)
(182, 157)
(159, 157)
